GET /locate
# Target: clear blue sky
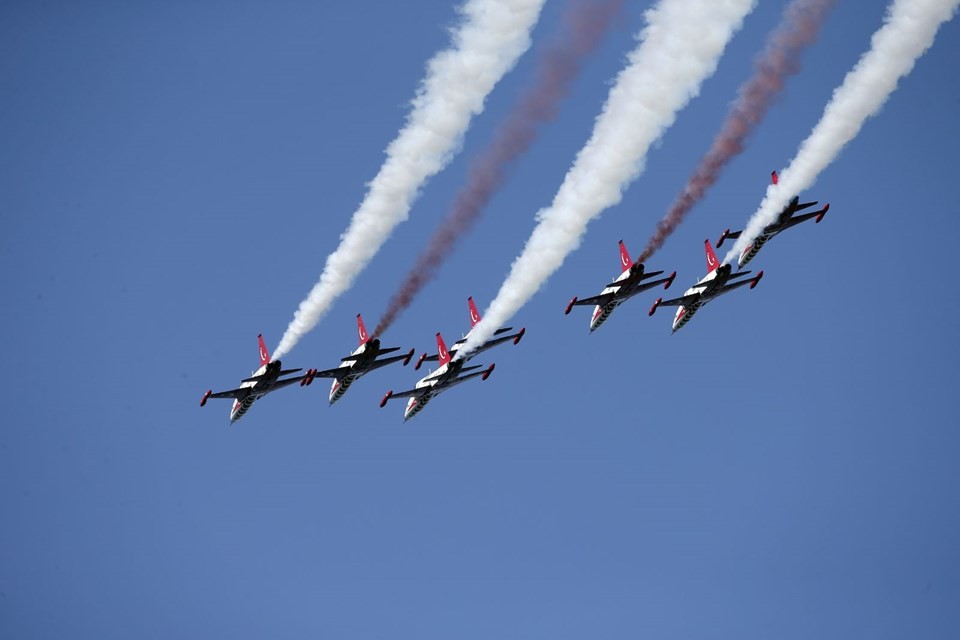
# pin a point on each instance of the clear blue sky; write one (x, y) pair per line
(175, 174)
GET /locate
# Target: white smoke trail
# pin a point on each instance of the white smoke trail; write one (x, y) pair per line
(679, 48)
(909, 29)
(489, 40)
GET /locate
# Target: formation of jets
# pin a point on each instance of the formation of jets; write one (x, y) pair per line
(453, 369)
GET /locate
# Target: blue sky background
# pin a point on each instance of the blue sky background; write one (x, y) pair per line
(175, 174)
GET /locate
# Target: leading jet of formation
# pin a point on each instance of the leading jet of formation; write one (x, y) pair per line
(362, 361)
(449, 374)
(719, 280)
(785, 220)
(500, 336)
(629, 283)
(263, 381)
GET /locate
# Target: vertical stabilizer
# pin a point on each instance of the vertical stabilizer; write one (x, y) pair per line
(625, 261)
(712, 262)
(361, 330)
(774, 178)
(442, 350)
(264, 354)
(474, 314)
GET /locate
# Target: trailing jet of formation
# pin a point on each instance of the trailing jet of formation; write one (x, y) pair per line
(454, 369)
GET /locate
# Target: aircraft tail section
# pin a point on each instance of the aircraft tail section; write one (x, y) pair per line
(712, 262)
(474, 314)
(625, 261)
(442, 350)
(774, 178)
(361, 330)
(264, 354)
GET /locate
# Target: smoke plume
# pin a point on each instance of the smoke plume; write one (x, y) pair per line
(585, 24)
(780, 59)
(679, 48)
(909, 29)
(487, 43)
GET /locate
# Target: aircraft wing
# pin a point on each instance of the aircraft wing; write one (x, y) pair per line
(280, 384)
(793, 208)
(240, 392)
(681, 301)
(489, 344)
(601, 299)
(376, 364)
(730, 286)
(650, 274)
(336, 372)
(795, 220)
(409, 393)
(457, 381)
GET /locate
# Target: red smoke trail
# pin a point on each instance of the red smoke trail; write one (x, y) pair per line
(798, 28)
(585, 23)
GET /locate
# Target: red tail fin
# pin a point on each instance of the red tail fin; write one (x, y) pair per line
(625, 261)
(361, 330)
(442, 350)
(774, 178)
(474, 314)
(712, 262)
(264, 354)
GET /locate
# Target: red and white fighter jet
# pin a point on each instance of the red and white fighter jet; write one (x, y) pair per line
(785, 220)
(629, 283)
(719, 280)
(436, 382)
(498, 338)
(363, 360)
(263, 381)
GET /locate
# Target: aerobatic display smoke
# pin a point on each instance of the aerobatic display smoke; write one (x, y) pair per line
(909, 29)
(585, 23)
(780, 58)
(680, 47)
(487, 43)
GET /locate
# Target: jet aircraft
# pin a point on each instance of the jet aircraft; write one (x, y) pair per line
(785, 220)
(629, 283)
(719, 280)
(448, 375)
(263, 381)
(363, 360)
(498, 338)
